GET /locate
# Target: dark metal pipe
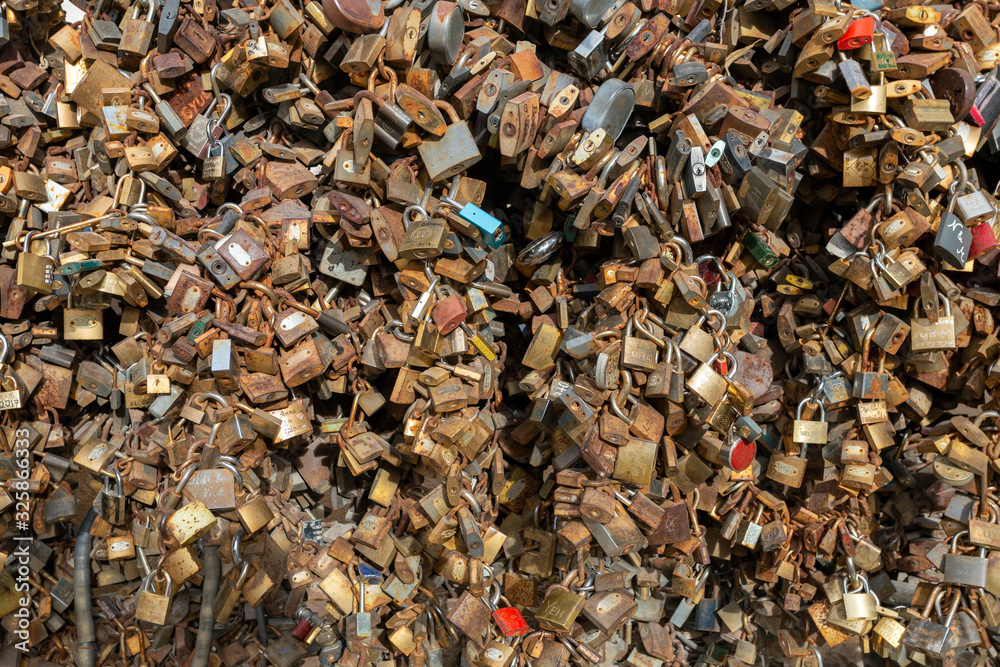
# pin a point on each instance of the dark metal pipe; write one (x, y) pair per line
(81, 593)
(206, 619)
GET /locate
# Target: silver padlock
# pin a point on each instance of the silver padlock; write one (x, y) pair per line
(445, 31)
(610, 109)
(974, 208)
(590, 55)
(590, 12)
(965, 570)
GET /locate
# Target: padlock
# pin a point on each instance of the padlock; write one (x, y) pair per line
(137, 34)
(868, 383)
(559, 609)
(973, 208)
(938, 334)
(213, 168)
(738, 452)
(172, 123)
(449, 155)
(444, 32)
(965, 570)
(698, 343)
(787, 470)
(114, 503)
(859, 32)
(152, 606)
(706, 383)
(809, 432)
(610, 610)
(926, 636)
(859, 605)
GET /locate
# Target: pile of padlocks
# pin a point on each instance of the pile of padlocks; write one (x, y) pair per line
(499, 333)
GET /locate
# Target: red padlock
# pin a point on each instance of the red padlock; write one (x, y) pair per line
(977, 116)
(302, 630)
(511, 622)
(861, 31)
(739, 455)
(721, 363)
(448, 314)
(983, 240)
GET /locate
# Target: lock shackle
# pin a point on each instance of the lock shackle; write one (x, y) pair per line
(649, 334)
(448, 200)
(947, 304)
(494, 587)
(218, 122)
(964, 184)
(675, 252)
(622, 396)
(304, 80)
(143, 559)
(140, 204)
(685, 248)
(204, 396)
(958, 187)
(826, 378)
(231, 468)
(954, 540)
(862, 585)
(713, 315)
(879, 256)
(187, 471)
(866, 344)
(114, 200)
(924, 152)
(952, 608)
(814, 400)
(4, 349)
(395, 327)
(692, 509)
(731, 358)
(876, 200)
(119, 482)
(236, 546)
(26, 239)
(232, 459)
(608, 162)
(852, 527)
(413, 209)
(474, 505)
(723, 274)
(852, 570)
(216, 91)
(155, 575)
(435, 279)
(932, 597)
(989, 414)
(213, 142)
(569, 647)
(144, 67)
(244, 573)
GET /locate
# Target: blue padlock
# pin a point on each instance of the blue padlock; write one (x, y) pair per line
(489, 227)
